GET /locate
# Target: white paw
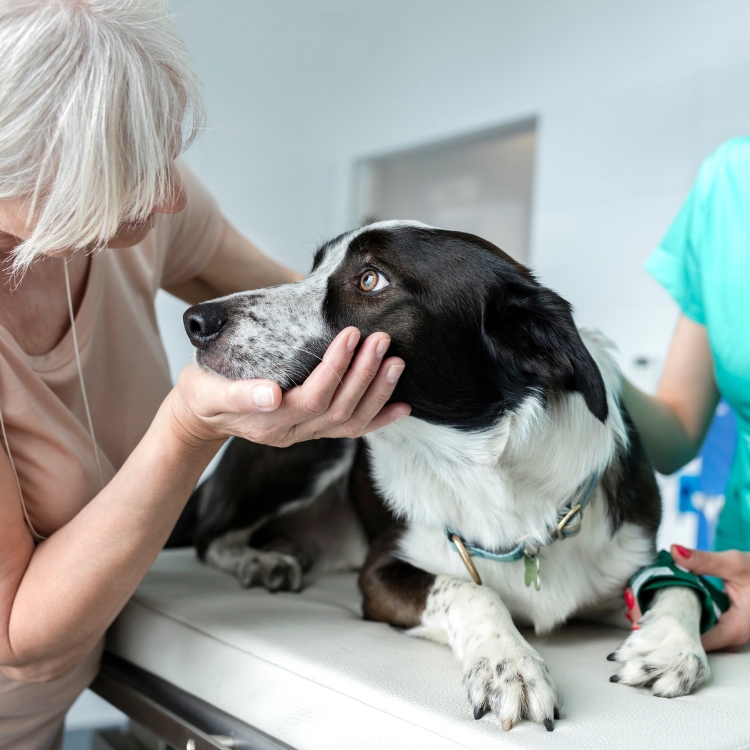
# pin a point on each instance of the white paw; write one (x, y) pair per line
(513, 685)
(663, 656)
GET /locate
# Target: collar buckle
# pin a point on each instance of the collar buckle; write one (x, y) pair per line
(562, 528)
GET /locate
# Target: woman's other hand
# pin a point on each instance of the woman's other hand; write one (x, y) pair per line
(336, 400)
(733, 567)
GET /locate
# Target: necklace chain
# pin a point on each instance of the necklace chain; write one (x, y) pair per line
(37, 536)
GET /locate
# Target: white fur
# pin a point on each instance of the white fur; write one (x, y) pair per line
(666, 653)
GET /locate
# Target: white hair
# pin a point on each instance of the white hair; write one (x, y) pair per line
(97, 98)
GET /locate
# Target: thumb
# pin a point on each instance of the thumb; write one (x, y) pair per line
(214, 394)
(719, 564)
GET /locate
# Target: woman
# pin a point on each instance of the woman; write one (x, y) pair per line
(100, 453)
(704, 262)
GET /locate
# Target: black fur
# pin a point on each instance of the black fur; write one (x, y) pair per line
(477, 331)
(250, 483)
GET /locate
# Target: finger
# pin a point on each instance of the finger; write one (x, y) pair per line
(386, 416)
(314, 396)
(361, 401)
(727, 565)
(212, 394)
(355, 384)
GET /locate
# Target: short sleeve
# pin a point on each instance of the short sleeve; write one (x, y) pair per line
(194, 233)
(676, 263)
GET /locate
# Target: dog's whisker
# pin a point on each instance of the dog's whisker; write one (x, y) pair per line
(323, 362)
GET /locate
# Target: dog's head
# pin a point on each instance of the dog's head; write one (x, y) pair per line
(477, 332)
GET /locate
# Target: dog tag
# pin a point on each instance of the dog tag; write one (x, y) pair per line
(531, 571)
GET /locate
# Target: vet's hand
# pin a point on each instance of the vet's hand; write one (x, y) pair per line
(336, 400)
(733, 567)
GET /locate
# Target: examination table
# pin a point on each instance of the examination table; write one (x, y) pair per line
(204, 663)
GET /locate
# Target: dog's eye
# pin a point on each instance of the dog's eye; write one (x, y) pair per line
(372, 281)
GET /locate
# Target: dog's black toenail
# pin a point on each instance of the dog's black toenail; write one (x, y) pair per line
(612, 656)
(556, 713)
(548, 725)
(480, 711)
(614, 678)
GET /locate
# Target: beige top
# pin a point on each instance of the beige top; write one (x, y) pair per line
(127, 377)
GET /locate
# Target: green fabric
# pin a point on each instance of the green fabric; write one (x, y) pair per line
(663, 573)
(704, 263)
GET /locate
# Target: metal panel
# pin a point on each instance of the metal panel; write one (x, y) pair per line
(180, 719)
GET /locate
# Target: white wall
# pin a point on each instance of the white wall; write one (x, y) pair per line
(631, 96)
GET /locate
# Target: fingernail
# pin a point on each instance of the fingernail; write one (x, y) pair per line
(683, 551)
(263, 396)
(394, 373)
(351, 342)
(629, 599)
(383, 347)
(629, 616)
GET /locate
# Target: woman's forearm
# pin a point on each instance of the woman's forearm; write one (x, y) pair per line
(79, 579)
(674, 422)
(667, 443)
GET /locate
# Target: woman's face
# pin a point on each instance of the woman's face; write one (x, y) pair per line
(15, 224)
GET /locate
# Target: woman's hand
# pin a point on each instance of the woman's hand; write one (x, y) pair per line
(336, 400)
(733, 567)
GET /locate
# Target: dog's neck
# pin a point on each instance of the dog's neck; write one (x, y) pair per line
(495, 486)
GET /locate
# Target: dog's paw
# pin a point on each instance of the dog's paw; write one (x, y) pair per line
(272, 570)
(514, 686)
(663, 656)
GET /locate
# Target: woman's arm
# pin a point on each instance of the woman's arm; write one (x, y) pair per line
(58, 598)
(236, 266)
(674, 422)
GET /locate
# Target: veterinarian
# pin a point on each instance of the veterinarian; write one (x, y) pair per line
(704, 262)
(99, 452)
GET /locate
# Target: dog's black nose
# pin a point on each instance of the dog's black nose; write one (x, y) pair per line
(204, 322)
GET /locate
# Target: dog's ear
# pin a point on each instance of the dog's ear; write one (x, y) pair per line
(531, 335)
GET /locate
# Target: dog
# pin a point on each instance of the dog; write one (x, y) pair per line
(517, 492)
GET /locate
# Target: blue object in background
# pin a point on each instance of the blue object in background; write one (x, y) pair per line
(704, 494)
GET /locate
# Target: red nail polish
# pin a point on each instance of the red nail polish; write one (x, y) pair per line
(629, 599)
(682, 551)
(629, 616)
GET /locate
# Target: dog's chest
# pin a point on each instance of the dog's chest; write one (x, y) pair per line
(584, 573)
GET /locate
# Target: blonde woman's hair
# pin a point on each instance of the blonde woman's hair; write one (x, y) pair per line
(97, 98)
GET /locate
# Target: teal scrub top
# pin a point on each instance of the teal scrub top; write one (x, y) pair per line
(704, 263)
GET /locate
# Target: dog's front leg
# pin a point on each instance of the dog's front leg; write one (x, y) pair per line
(665, 653)
(502, 672)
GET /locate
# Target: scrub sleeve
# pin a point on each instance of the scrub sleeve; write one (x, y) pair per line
(704, 263)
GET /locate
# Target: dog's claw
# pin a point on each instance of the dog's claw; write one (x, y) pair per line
(507, 724)
(612, 656)
(548, 725)
(614, 678)
(480, 711)
(556, 713)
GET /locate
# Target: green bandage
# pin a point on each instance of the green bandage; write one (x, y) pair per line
(664, 572)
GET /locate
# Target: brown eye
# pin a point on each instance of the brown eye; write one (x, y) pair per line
(368, 280)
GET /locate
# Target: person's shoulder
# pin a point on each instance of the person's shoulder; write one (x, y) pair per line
(731, 158)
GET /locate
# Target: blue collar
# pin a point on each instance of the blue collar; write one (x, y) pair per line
(569, 520)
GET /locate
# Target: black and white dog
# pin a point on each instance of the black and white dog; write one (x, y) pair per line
(516, 426)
